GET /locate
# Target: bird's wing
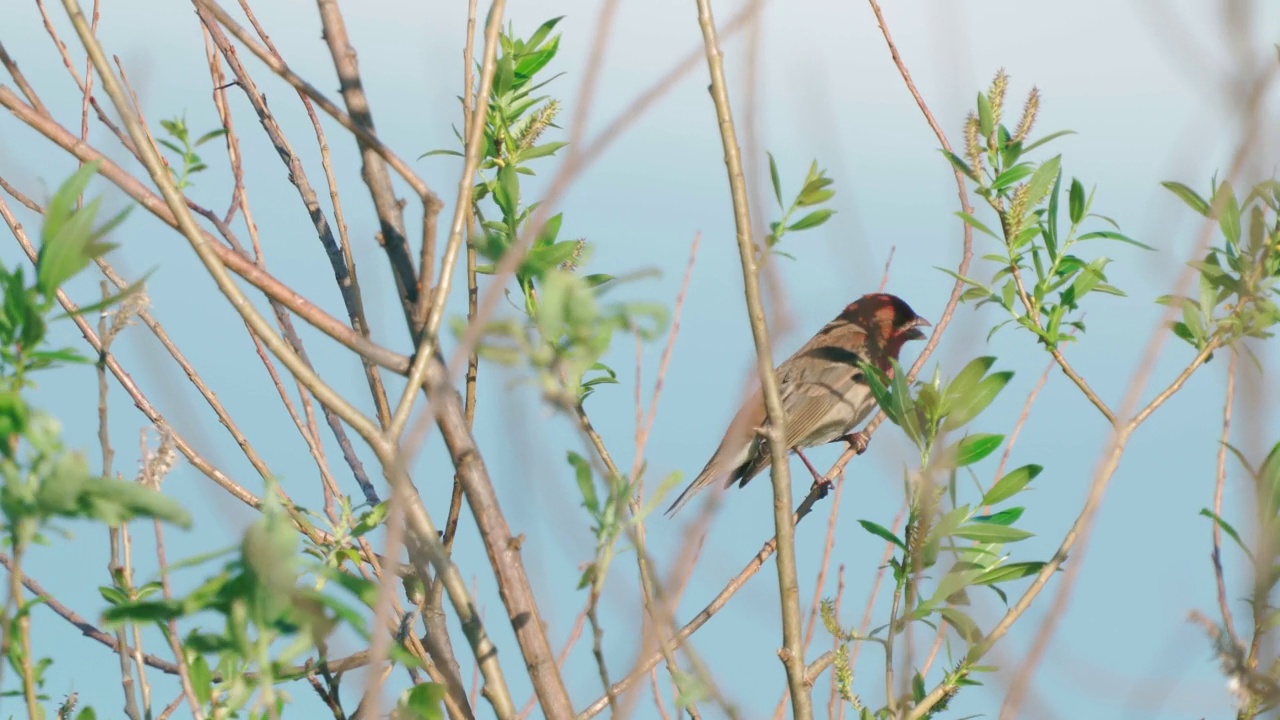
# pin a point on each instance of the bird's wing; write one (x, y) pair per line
(820, 397)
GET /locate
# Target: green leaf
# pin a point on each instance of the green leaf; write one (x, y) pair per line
(1012, 175)
(874, 378)
(370, 520)
(65, 232)
(201, 677)
(975, 224)
(1043, 179)
(550, 231)
(773, 177)
(1004, 517)
(969, 407)
(69, 491)
(542, 150)
(882, 532)
(586, 485)
(1011, 484)
(109, 301)
(1229, 530)
(431, 153)
(1047, 138)
(506, 192)
(812, 220)
(1111, 235)
(1188, 196)
(988, 533)
(542, 32)
(423, 702)
(1228, 212)
(1076, 204)
(985, 120)
(504, 76)
(964, 625)
(976, 447)
(212, 134)
(543, 260)
(960, 165)
(1011, 571)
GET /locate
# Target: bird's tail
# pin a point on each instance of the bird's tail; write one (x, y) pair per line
(708, 476)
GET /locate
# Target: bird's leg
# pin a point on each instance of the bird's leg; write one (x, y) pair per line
(858, 441)
(819, 480)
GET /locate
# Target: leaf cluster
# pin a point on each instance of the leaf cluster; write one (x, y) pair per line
(1041, 278)
(1239, 277)
(814, 191)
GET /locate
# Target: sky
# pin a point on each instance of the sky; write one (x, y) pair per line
(1151, 90)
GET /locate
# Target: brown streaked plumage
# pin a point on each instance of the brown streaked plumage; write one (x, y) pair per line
(824, 394)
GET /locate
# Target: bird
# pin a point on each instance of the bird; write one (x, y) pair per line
(823, 391)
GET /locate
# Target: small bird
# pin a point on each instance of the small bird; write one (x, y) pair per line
(824, 393)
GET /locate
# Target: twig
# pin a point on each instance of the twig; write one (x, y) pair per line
(420, 522)
(184, 673)
(427, 344)
(1220, 482)
(116, 567)
(473, 288)
(374, 169)
(815, 607)
(238, 264)
(280, 68)
(21, 81)
(788, 584)
(835, 708)
(966, 255)
(731, 588)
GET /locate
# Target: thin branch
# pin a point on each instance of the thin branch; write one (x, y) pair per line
(420, 523)
(21, 81)
(736, 583)
(184, 672)
(1220, 481)
(473, 287)
(374, 168)
(966, 255)
(1058, 357)
(233, 260)
(280, 68)
(474, 145)
(792, 653)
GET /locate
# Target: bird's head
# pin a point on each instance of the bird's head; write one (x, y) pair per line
(888, 319)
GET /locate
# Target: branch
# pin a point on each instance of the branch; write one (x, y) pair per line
(753, 566)
(374, 168)
(419, 522)
(240, 265)
(792, 652)
(474, 145)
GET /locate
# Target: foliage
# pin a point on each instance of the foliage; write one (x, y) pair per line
(814, 191)
(1239, 277)
(568, 325)
(185, 149)
(44, 481)
(1040, 281)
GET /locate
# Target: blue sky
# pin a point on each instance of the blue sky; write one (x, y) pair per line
(1146, 85)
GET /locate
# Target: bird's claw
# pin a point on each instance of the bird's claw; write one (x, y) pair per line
(822, 486)
(857, 441)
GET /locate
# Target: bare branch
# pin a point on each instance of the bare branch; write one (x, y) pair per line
(788, 584)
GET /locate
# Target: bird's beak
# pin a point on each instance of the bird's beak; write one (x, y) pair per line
(913, 331)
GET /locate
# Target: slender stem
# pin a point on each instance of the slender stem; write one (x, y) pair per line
(427, 345)
(19, 603)
(1223, 605)
(792, 653)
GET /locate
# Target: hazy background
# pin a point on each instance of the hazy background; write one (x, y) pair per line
(1149, 87)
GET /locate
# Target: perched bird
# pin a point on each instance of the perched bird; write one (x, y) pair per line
(824, 394)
